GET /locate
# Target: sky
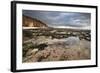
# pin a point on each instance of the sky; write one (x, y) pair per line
(59, 18)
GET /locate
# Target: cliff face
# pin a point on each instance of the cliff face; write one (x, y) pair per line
(32, 22)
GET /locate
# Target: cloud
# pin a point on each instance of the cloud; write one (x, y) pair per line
(53, 18)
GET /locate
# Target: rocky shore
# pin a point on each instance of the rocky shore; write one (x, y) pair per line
(41, 48)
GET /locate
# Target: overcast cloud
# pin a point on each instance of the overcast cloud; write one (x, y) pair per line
(55, 18)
